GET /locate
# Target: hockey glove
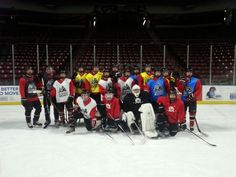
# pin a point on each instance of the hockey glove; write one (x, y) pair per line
(160, 109)
(24, 102)
(70, 99)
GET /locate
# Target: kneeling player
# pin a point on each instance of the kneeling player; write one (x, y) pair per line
(85, 107)
(112, 119)
(170, 113)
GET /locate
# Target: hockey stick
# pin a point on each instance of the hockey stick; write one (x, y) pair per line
(140, 131)
(118, 125)
(200, 129)
(200, 138)
(126, 134)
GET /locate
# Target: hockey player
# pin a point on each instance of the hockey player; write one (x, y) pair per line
(105, 83)
(135, 74)
(79, 81)
(115, 73)
(62, 94)
(91, 83)
(191, 93)
(158, 86)
(86, 108)
(47, 80)
(125, 82)
(29, 97)
(171, 113)
(138, 112)
(112, 118)
(145, 76)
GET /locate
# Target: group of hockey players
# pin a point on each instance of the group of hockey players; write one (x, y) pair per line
(153, 102)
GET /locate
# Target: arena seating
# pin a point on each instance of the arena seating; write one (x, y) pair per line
(129, 53)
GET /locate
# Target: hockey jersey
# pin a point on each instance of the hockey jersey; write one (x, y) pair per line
(88, 108)
(145, 77)
(132, 103)
(28, 88)
(112, 107)
(125, 85)
(193, 88)
(157, 87)
(80, 82)
(91, 82)
(62, 89)
(174, 111)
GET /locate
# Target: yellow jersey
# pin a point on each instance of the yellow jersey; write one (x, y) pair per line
(93, 81)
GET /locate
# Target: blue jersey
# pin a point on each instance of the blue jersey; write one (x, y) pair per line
(135, 78)
(157, 88)
(189, 88)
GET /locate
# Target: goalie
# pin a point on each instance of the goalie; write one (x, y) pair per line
(138, 112)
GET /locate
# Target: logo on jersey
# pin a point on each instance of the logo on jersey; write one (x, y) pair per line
(84, 111)
(171, 109)
(94, 83)
(138, 101)
(108, 106)
(31, 88)
(49, 84)
(157, 90)
(62, 91)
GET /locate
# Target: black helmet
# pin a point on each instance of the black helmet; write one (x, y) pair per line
(164, 69)
(189, 69)
(28, 68)
(156, 69)
(84, 92)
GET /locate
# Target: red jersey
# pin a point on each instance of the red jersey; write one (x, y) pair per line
(112, 107)
(174, 111)
(27, 88)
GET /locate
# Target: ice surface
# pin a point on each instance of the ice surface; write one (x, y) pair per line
(52, 153)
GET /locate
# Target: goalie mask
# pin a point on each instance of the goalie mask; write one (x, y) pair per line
(136, 90)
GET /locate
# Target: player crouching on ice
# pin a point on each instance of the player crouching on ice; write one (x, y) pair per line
(86, 108)
(170, 113)
(112, 120)
(138, 112)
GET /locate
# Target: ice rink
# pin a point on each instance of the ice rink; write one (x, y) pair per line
(51, 153)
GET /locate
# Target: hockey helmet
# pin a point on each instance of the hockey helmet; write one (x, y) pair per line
(136, 90)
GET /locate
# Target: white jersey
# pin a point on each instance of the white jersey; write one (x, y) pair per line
(125, 86)
(105, 83)
(62, 90)
(86, 109)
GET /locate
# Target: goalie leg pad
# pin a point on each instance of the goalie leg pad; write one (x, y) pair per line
(148, 120)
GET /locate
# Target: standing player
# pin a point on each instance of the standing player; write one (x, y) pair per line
(79, 81)
(62, 95)
(47, 80)
(191, 93)
(158, 86)
(145, 76)
(125, 82)
(171, 113)
(29, 97)
(86, 108)
(91, 83)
